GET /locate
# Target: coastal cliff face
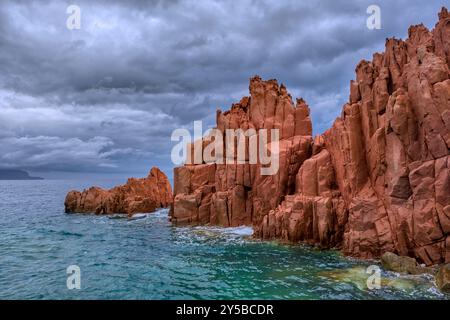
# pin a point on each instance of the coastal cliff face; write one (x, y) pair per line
(378, 180)
(136, 196)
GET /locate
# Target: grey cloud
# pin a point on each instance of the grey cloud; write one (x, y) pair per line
(108, 96)
(41, 152)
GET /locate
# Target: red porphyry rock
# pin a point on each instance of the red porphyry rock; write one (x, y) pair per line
(136, 196)
(237, 194)
(377, 181)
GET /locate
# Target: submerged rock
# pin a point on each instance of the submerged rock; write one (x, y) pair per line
(393, 262)
(443, 278)
(136, 196)
(358, 276)
(377, 181)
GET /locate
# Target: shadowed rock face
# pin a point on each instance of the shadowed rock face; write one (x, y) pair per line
(378, 180)
(136, 196)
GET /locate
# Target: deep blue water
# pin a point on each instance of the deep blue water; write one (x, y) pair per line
(150, 259)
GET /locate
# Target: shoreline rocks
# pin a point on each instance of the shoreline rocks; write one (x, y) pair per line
(443, 278)
(377, 181)
(136, 196)
(358, 277)
(392, 262)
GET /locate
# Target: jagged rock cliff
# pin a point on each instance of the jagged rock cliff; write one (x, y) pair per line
(377, 181)
(137, 195)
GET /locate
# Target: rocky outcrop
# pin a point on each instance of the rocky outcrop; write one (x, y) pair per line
(377, 181)
(136, 196)
(237, 194)
(443, 278)
(393, 262)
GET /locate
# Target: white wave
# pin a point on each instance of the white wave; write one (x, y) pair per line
(161, 213)
(242, 231)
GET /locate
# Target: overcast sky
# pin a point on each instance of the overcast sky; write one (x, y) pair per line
(106, 98)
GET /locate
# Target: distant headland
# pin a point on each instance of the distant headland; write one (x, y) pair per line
(7, 174)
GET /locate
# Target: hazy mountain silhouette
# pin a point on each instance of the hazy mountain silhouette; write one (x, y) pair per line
(6, 174)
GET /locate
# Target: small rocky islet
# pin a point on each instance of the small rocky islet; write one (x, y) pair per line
(136, 196)
(376, 185)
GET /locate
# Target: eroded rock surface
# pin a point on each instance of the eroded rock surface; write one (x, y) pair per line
(443, 278)
(136, 196)
(393, 262)
(377, 181)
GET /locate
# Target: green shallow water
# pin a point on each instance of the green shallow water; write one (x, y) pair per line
(150, 259)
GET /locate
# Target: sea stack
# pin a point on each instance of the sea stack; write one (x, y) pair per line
(377, 181)
(136, 196)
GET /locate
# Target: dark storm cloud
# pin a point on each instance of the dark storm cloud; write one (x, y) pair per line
(107, 97)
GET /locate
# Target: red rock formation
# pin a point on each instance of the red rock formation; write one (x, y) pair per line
(235, 194)
(377, 181)
(136, 196)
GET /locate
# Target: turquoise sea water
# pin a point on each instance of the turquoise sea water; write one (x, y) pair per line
(150, 259)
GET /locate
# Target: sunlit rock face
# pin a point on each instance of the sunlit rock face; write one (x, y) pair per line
(136, 196)
(378, 180)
